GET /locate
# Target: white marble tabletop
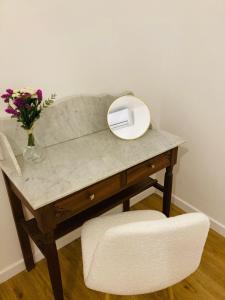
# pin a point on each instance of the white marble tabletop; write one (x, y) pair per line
(78, 163)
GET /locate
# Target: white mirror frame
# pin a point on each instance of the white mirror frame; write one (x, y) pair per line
(128, 117)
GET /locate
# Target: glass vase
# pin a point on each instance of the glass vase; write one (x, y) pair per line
(33, 153)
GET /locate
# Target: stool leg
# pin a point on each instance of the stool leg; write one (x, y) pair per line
(170, 292)
(107, 296)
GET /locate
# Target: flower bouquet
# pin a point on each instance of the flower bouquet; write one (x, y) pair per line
(26, 106)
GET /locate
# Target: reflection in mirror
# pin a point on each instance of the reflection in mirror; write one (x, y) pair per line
(128, 117)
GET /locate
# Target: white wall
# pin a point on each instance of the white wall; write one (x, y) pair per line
(168, 52)
(194, 104)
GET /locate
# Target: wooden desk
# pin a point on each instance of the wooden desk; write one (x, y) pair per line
(87, 171)
(59, 217)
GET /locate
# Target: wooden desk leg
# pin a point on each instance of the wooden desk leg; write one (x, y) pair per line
(51, 255)
(168, 182)
(126, 205)
(18, 216)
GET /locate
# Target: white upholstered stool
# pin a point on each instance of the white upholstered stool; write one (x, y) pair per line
(140, 252)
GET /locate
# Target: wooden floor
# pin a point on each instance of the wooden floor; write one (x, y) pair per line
(208, 283)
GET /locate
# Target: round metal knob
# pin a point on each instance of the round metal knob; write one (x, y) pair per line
(92, 197)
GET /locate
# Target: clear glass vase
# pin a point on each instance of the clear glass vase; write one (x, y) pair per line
(33, 152)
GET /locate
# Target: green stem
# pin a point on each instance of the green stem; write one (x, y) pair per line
(31, 141)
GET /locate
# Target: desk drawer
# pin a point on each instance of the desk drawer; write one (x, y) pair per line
(148, 168)
(86, 198)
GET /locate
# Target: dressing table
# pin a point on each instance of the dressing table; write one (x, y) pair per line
(86, 172)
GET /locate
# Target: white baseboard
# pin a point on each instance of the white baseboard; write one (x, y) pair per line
(214, 224)
(19, 266)
(187, 207)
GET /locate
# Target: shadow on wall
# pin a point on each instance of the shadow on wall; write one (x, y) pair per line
(182, 151)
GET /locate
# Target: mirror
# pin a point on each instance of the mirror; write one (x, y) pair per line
(128, 117)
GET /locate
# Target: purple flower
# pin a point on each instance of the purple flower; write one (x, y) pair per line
(12, 111)
(39, 95)
(9, 91)
(19, 102)
(5, 96)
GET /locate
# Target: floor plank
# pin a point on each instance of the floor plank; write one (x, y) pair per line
(208, 283)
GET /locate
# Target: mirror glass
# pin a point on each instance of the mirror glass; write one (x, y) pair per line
(128, 117)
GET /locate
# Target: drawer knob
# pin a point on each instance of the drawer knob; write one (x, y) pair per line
(92, 197)
(152, 166)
